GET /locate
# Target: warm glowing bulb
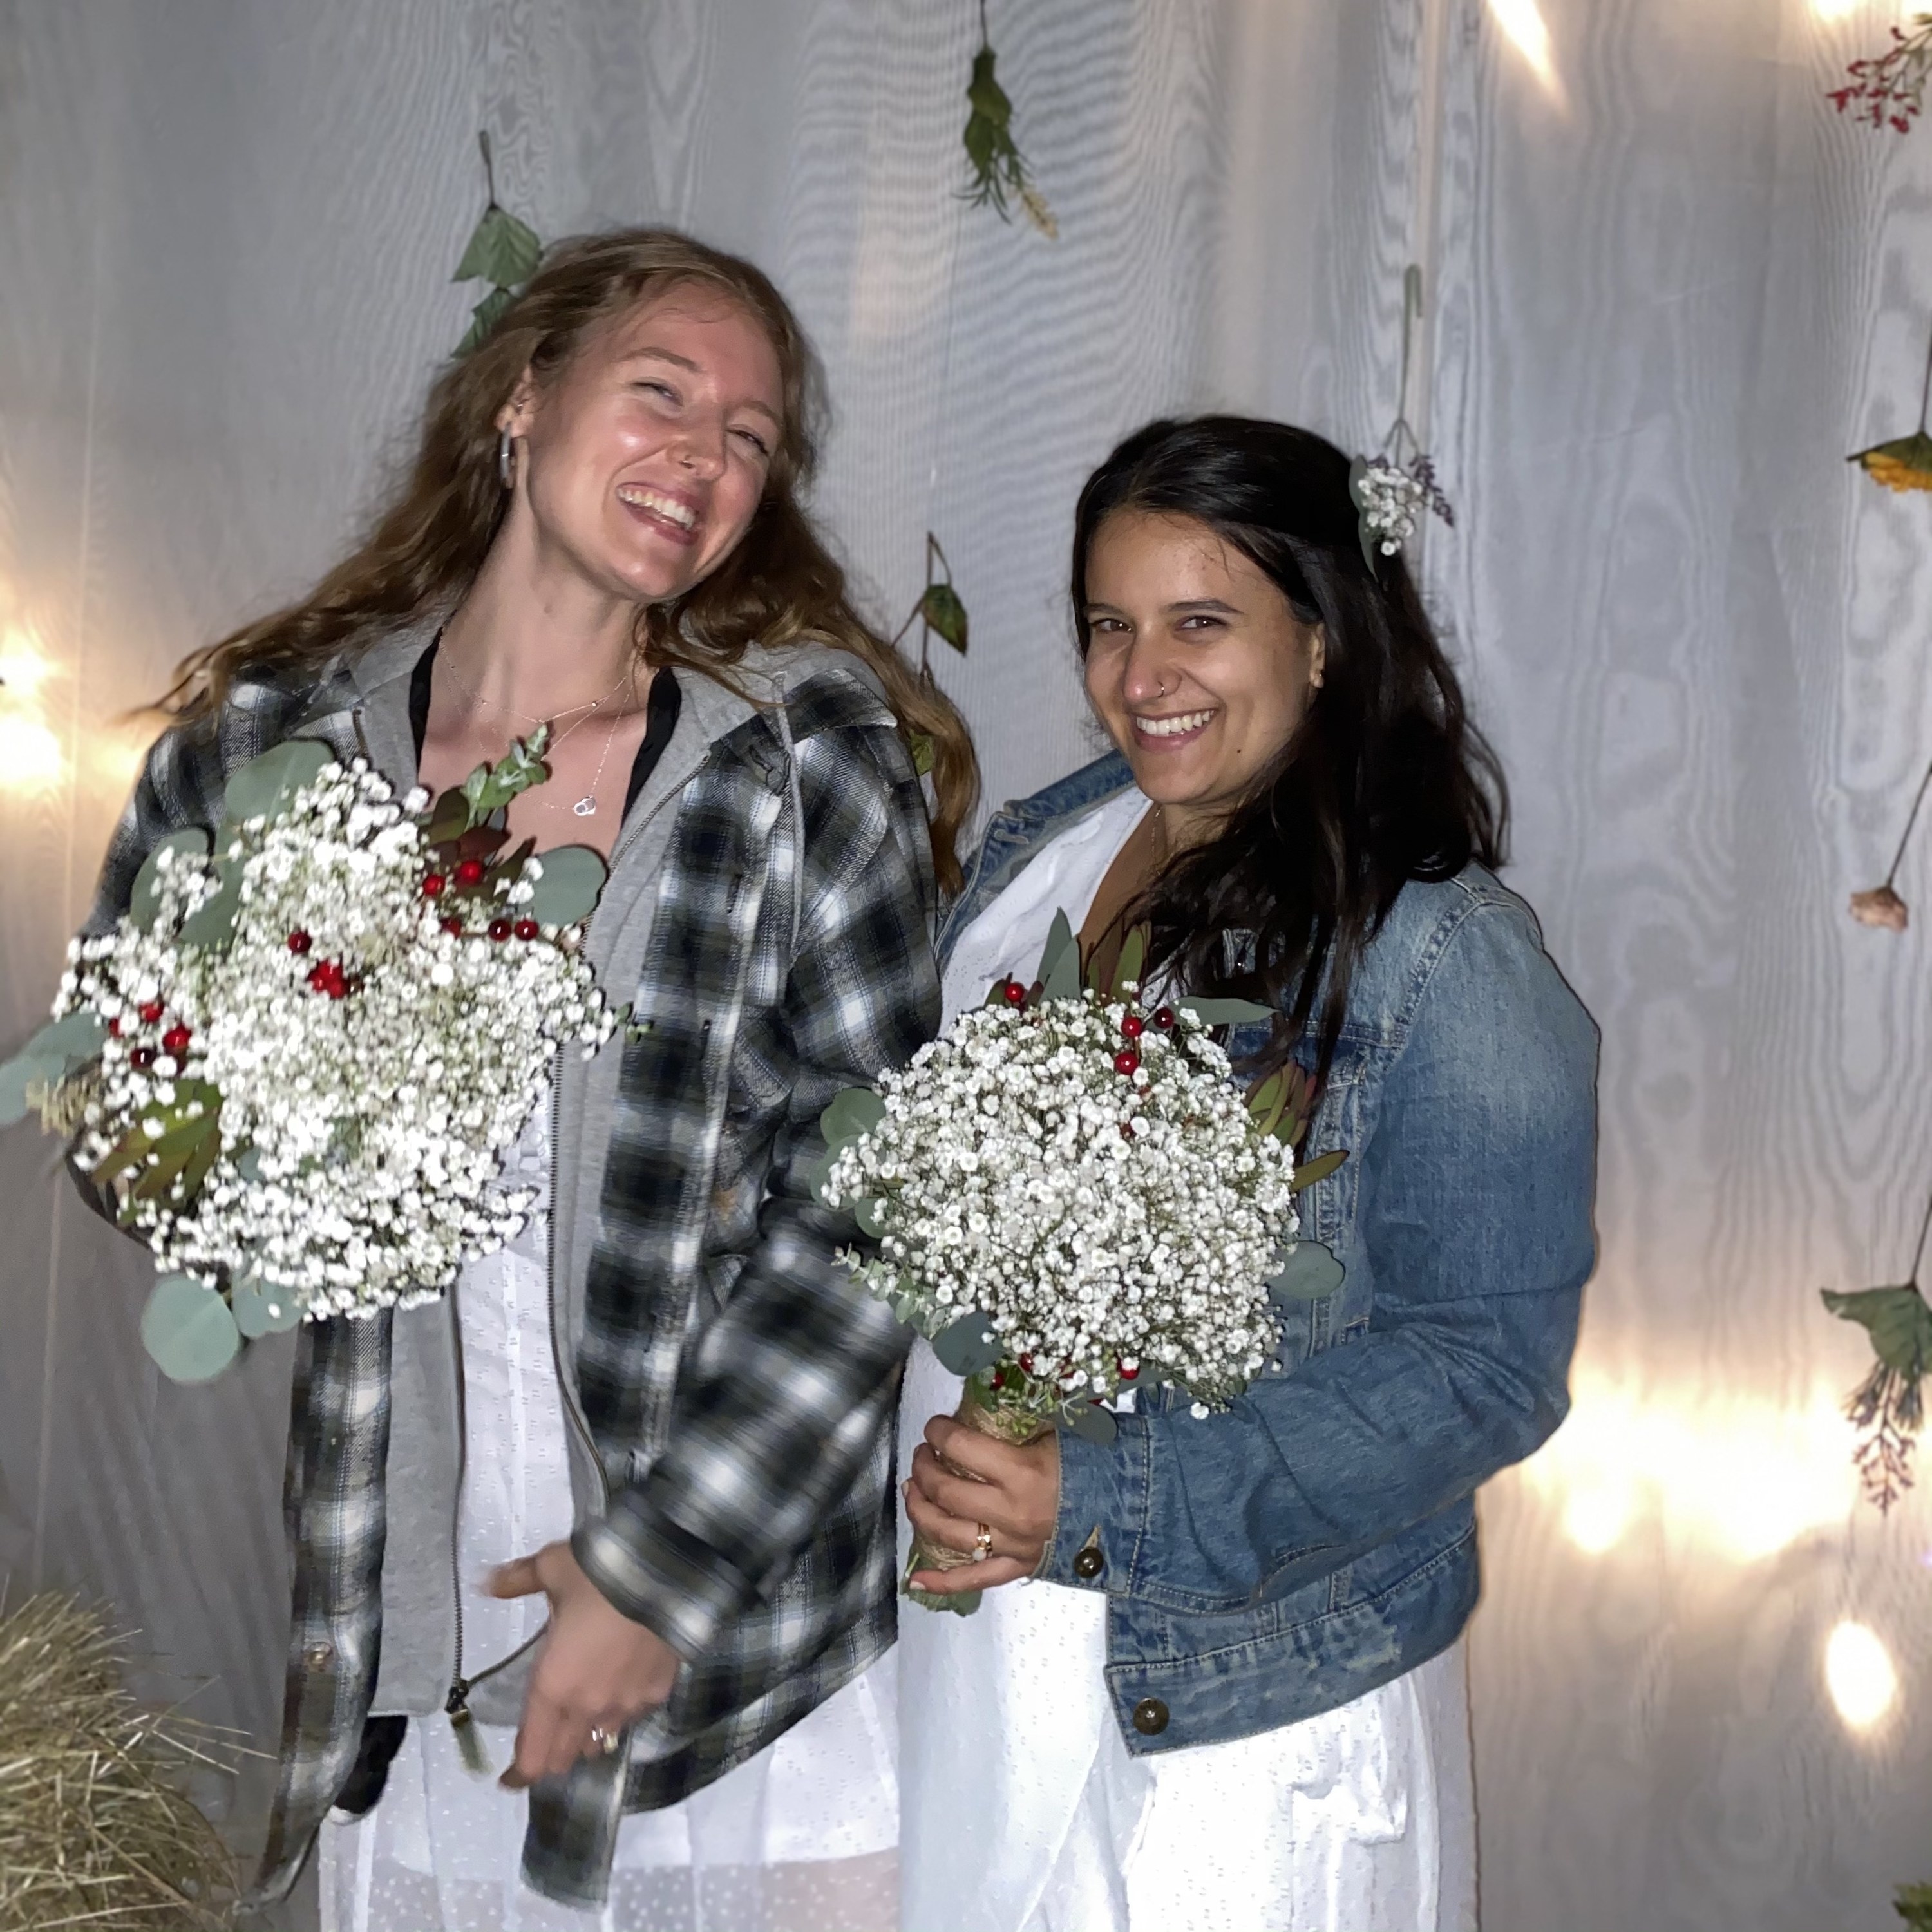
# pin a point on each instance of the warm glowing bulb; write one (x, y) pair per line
(30, 754)
(1522, 21)
(22, 669)
(1597, 1516)
(1859, 1674)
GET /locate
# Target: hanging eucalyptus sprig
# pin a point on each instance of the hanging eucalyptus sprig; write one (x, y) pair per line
(999, 169)
(1392, 488)
(940, 608)
(1888, 1408)
(501, 250)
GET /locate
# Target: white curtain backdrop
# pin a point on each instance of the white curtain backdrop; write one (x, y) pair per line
(1667, 289)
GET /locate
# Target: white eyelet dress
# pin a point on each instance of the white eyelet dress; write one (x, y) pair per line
(799, 1838)
(1022, 1810)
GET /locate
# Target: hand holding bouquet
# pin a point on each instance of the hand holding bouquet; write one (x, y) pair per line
(294, 1065)
(1071, 1197)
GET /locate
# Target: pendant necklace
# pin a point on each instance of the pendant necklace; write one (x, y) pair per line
(586, 807)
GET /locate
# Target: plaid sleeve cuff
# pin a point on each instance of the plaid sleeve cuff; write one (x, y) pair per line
(659, 1575)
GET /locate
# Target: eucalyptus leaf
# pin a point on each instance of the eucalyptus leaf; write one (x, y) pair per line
(1898, 1320)
(1319, 1168)
(866, 1212)
(818, 1176)
(79, 1035)
(1365, 532)
(854, 1111)
(1133, 957)
(448, 818)
(1310, 1273)
(212, 924)
(1225, 1013)
(264, 1307)
(566, 892)
(1060, 962)
(501, 250)
(1089, 1419)
(188, 1330)
(968, 1345)
(263, 787)
(942, 608)
(248, 1164)
(142, 901)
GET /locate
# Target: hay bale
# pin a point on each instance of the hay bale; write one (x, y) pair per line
(96, 1827)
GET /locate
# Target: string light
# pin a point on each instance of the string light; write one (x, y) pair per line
(31, 758)
(1740, 1477)
(1859, 1674)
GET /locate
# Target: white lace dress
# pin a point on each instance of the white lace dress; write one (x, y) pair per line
(1022, 1811)
(799, 1839)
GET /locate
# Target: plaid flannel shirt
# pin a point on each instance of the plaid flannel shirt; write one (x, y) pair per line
(738, 1385)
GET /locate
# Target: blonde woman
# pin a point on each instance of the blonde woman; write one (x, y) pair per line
(612, 1519)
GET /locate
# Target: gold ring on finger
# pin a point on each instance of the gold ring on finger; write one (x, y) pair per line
(982, 1543)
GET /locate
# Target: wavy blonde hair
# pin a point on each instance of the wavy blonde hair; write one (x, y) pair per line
(780, 585)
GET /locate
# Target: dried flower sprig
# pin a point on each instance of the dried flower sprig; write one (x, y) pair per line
(1880, 905)
(1888, 1408)
(1394, 489)
(1888, 90)
(999, 169)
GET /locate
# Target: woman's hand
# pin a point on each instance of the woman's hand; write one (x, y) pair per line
(1014, 1492)
(597, 1670)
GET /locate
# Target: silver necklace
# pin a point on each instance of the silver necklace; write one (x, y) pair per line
(586, 807)
(475, 697)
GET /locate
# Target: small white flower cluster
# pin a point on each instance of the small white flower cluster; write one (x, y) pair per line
(1393, 501)
(1086, 1176)
(369, 1063)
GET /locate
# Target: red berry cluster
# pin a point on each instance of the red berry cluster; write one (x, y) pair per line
(1889, 89)
(175, 1041)
(330, 978)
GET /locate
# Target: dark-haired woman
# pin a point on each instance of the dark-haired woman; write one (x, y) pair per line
(665, 1409)
(1232, 1693)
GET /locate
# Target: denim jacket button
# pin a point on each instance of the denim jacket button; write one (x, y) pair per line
(1089, 1564)
(1150, 1716)
(317, 1655)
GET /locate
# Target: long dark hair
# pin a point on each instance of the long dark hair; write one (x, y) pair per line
(428, 540)
(1384, 780)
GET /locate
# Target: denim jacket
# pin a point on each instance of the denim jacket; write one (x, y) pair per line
(1319, 1539)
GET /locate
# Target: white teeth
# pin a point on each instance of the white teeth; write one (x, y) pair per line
(679, 513)
(1171, 727)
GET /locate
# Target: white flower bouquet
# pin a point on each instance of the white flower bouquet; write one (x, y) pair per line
(1071, 1198)
(292, 1067)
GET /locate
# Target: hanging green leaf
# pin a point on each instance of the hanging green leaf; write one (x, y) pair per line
(483, 319)
(999, 170)
(501, 249)
(940, 606)
(1898, 1322)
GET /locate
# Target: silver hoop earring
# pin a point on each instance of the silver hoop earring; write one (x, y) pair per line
(506, 460)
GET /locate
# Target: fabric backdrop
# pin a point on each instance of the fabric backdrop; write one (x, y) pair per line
(1667, 289)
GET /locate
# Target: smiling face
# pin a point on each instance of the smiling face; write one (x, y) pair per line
(1196, 663)
(642, 462)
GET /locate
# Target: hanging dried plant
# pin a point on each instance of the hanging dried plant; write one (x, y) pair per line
(502, 251)
(95, 1828)
(999, 169)
(940, 608)
(1905, 462)
(1880, 905)
(1392, 489)
(1888, 89)
(1888, 1408)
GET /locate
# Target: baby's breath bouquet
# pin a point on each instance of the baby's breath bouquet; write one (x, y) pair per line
(1071, 1197)
(293, 1066)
